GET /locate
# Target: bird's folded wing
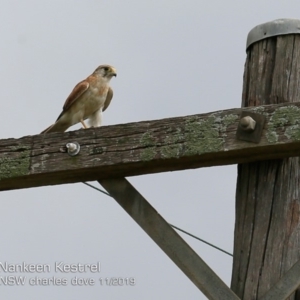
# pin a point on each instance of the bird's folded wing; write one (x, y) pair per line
(108, 99)
(78, 90)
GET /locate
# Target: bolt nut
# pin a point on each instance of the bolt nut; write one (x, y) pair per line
(247, 124)
(73, 148)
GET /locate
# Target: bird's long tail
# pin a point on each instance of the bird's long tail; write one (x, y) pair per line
(56, 127)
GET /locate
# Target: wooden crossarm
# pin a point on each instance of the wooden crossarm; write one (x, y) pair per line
(123, 150)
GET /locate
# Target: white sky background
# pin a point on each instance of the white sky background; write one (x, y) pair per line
(174, 58)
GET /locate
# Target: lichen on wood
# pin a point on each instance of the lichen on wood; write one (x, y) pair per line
(17, 165)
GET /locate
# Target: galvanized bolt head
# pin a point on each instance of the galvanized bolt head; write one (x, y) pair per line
(247, 124)
(73, 148)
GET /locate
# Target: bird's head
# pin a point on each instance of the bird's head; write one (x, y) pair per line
(106, 71)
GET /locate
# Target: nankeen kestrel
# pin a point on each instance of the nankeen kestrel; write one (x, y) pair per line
(88, 100)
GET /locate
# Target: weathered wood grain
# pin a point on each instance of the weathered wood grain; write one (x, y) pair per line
(146, 147)
(267, 229)
(286, 285)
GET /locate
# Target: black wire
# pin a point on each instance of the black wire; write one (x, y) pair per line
(195, 237)
(93, 187)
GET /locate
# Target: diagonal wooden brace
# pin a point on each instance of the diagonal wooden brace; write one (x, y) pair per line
(168, 239)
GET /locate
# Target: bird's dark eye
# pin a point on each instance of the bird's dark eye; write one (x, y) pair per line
(106, 69)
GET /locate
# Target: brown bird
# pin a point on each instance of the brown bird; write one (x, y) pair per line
(88, 100)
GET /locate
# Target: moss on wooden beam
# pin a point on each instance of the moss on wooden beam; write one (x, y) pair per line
(147, 147)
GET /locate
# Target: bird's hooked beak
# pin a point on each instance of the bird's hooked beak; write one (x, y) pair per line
(113, 72)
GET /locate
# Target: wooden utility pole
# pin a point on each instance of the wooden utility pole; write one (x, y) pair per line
(267, 228)
(266, 263)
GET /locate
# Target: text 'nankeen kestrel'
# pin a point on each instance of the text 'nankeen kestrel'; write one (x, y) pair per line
(88, 100)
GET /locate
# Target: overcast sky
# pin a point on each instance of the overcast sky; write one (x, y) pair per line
(174, 58)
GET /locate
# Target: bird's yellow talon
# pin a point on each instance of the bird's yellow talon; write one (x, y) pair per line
(83, 124)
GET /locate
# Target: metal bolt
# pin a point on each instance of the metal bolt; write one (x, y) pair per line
(247, 124)
(73, 148)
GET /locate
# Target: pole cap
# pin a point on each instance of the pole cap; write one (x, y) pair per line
(273, 28)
